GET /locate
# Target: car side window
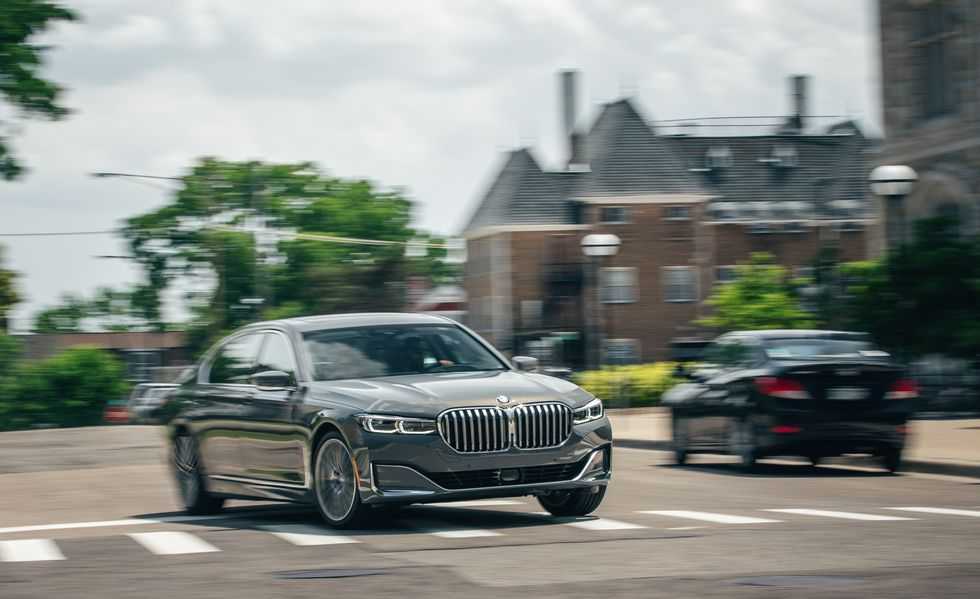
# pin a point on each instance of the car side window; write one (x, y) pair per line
(728, 353)
(276, 355)
(235, 361)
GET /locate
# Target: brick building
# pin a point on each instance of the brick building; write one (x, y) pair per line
(687, 209)
(930, 63)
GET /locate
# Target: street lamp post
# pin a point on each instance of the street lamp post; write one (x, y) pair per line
(596, 246)
(894, 183)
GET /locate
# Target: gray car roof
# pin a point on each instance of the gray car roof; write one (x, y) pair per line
(339, 321)
(794, 334)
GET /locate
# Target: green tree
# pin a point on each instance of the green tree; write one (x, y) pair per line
(68, 389)
(107, 310)
(8, 293)
(762, 297)
(921, 298)
(271, 272)
(21, 84)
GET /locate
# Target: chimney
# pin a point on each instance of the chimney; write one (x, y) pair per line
(799, 84)
(569, 112)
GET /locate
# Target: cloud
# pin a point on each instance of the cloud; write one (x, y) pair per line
(421, 94)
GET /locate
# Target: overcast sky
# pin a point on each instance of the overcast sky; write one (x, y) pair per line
(423, 95)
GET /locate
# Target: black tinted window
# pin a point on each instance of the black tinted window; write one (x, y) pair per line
(728, 353)
(387, 351)
(276, 355)
(235, 361)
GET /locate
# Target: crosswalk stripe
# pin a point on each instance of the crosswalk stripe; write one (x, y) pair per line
(836, 514)
(709, 517)
(604, 524)
(306, 536)
(29, 550)
(945, 511)
(464, 533)
(172, 542)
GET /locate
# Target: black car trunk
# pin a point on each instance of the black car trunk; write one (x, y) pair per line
(844, 389)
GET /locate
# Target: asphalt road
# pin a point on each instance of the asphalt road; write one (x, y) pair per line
(88, 524)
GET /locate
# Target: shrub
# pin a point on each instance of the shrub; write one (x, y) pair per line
(68, 389)
(629, 386)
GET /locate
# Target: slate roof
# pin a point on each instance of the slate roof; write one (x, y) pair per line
(626, 156)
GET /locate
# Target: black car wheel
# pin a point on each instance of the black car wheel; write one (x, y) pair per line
(189, 473)
(815, 460)
(679, 436)
(742, 444)
(892, 460)
(578, 502)
(335, 483)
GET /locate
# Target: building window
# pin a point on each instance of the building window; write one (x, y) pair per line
(680, 284)
(618, 285)
(531, 314)
(614, 215)
(677, 213)
(936, 73)
(622, 351)
(726, 274)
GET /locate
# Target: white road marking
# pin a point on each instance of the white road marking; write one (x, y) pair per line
(686, 527)
(464, 533)
(477, 503)
(305, 536)
(29, 550)
(709, 517)
(125, 522)
(836, 514)
(172, 543)
(945, 511)
(604, 524)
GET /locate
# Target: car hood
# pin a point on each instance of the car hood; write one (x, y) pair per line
(426, 395)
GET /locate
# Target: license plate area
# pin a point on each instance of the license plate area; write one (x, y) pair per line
(848, 393)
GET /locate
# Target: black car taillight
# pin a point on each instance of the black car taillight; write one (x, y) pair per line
(775, 386)
(903, 389)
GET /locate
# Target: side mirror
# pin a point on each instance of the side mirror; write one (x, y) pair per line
(272, 380)
(525, 363)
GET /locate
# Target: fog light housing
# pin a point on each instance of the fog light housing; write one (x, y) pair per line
(510, 475)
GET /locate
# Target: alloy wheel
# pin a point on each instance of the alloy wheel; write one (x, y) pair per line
(336, 483)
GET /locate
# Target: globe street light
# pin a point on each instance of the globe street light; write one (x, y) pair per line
(894, 183)
(596, 246)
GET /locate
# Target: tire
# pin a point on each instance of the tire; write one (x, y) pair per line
(335, 483)
(679, 440)
(191, 480)
(814, 460)
(742, 444)
(891, 460)
(577, 502)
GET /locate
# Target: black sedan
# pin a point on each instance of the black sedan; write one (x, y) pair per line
(804, 393)
(352, 412)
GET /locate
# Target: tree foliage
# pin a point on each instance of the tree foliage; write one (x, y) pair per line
(923, 297)
(9, 297)
(269, 272)
(107, 310)
(21, 83)
(763, 296)
(69, 389)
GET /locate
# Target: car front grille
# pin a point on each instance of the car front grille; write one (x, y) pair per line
(479, 479)
(485, 430)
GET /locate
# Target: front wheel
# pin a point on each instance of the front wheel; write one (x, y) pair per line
(186, 461)
(577, 502)
(335, 483)
(679, 435)
(892, 460)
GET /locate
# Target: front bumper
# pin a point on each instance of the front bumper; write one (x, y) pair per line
(419, 469)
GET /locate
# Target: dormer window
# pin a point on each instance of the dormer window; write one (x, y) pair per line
(718, 157)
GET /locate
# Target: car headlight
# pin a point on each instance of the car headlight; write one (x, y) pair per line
(591, 411)
(375, 423)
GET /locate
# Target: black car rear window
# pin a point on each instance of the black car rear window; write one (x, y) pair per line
(805, 348)
(368, 352)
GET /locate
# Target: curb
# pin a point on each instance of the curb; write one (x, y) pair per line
(948, 468)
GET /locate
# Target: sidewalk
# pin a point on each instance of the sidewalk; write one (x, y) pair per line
(935, 446)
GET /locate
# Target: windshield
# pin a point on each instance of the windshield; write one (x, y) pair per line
(802, 349)
(367, 352)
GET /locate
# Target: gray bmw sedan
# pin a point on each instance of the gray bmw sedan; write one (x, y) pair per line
(359, 411)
